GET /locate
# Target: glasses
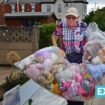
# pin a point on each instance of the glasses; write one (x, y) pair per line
(71, 17)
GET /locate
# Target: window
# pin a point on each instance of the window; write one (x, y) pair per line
(12, 8)
(27, 7)
(33, 8)
(59, 8)
(23, 7)
(48, 8)
(84, 9)
(38, 7)
(8, 8)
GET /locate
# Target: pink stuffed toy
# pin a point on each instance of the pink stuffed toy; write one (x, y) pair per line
(34, 71)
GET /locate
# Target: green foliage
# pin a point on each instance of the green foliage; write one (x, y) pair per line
(45, 34)
(98, 17)
(89, 17)
(12, 83)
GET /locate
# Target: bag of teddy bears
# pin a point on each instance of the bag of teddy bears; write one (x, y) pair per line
(95, 46)
(50, 68)
(91, 50)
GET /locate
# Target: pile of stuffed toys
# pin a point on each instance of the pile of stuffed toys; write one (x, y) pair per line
(50, 68)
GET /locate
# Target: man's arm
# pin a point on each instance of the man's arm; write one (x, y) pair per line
(54, 40)
(57, 33)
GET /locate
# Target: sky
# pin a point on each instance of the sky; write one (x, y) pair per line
(95, 4)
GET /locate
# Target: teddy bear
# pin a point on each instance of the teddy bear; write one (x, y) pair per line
(34, 71)
(24, 63)
(55, 88)
(52, 61)
(96, 71)
(46, 79)
(67, 74)
(90, 50)
(51, 52)
(100, 58)
(56, 67)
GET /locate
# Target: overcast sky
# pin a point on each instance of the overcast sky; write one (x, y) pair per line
(95, 4)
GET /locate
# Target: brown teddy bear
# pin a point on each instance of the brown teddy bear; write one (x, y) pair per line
(90, 50)
(56, 67)
(100, 58)
(46, 79)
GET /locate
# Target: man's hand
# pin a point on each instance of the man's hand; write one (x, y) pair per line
(55, 44)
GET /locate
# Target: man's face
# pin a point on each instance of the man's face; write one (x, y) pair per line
(71, 20)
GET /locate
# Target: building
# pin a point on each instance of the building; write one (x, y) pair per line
(2, 20)
(30, 12)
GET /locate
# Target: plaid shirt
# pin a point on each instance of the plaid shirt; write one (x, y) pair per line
(70, 42)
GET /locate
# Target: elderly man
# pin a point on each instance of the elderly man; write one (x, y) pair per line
(72, 34)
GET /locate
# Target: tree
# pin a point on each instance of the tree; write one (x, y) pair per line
(97, 16)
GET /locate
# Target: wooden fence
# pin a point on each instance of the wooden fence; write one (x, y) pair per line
(23, 40)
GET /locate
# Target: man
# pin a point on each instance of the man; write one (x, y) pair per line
(72, 34)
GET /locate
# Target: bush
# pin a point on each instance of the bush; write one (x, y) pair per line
(45, 34)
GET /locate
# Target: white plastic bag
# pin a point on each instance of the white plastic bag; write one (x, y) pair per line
(94, 33)
(90, 50)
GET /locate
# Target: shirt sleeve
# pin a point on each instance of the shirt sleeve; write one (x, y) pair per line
(58, 30)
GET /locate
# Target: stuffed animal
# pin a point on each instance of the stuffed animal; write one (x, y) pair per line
(55, 88)
(100, 58)
(90, 50)
(48, 64)
(67, 74)
(24, 63)
(96, 71)
(34, 71)
(53, 62)
(46, 79)
(51, 52)
(56, 67)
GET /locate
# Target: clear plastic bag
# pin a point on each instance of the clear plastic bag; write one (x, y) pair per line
(90, 50)
(95, 42)
(48, 52)
(93, 33)
(68, 76)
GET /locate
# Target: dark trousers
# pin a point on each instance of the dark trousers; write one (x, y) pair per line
(75, 58)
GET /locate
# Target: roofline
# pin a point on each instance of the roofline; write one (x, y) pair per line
(85, 2)
(35, 2)
(80, 1)
(16, 15)
(49, 2)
